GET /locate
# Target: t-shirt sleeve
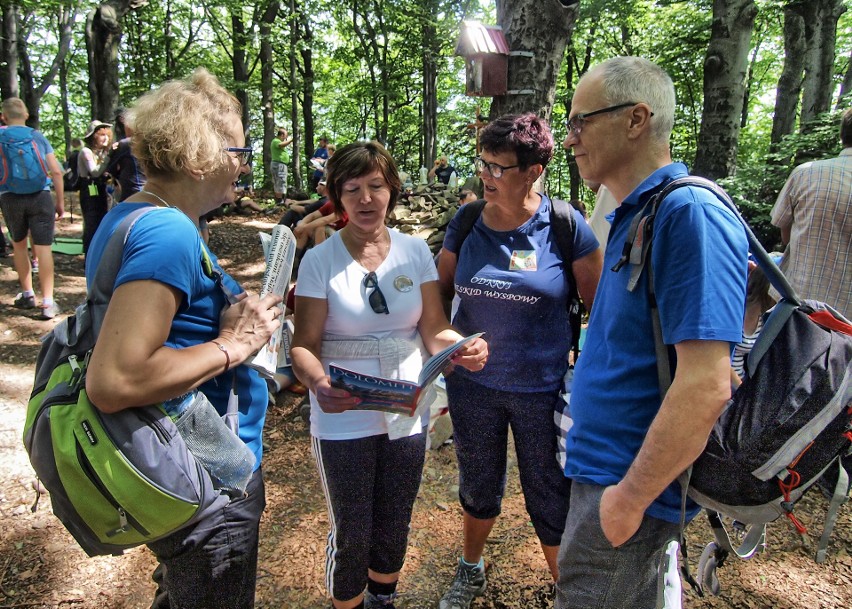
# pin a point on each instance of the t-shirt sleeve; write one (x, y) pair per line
(43, 143)
(313, 281)
(585, 241)
(700, 257)
(163, 235)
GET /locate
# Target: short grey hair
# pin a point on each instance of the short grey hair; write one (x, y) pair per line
(635, 79)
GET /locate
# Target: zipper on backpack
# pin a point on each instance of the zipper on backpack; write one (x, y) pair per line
(155, 424)
(125, 520)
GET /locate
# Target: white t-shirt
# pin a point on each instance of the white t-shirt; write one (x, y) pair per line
(328, 272)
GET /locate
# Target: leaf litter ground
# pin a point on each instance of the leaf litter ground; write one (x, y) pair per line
(41, 566)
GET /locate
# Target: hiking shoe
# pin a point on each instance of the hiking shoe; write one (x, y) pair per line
(468, 584)
(49, 311)
(378, 601)
(25, 302)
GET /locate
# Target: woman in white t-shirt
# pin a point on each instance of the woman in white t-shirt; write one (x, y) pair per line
(368, 299)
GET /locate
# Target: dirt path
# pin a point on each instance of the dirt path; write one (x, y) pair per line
(41, 566)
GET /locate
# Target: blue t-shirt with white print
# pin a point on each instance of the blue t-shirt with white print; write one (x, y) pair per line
(512, 286)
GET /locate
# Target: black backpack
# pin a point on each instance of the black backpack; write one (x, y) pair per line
(789, 422)
(564, 226)
(70, 176)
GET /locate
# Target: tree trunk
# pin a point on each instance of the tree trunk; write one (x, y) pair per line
(239, 66)
(821, 24)
(266, 97)
(846, 86)
(9, 51)
(725, 67)
(431, 51)
(32, 91)
(103, 36)
(790, 82)
(296, 128)
(307, 86)
(541, 27)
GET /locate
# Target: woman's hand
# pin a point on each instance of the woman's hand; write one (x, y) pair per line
(247, 325)
(331, 399)
(473, 355)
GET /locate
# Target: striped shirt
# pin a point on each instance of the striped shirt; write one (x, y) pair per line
(816, 205)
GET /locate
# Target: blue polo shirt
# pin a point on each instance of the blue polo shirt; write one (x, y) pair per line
(699, 256)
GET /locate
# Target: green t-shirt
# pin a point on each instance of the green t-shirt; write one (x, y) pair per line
(278, 152)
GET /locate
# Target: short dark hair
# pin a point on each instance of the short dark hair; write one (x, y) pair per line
(527, 135)
(846, 128)
(355, 160)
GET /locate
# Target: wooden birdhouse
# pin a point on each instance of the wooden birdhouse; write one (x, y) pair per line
(486, 54)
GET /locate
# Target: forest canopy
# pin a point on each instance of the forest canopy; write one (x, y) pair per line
(387, 69)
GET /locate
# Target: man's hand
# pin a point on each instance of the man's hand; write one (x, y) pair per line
(620, 518)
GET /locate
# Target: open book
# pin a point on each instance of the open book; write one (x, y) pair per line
(390, 395)
(280, 251)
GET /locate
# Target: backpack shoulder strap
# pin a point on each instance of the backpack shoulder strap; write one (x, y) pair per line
(564, 226)
(468, 214)
(100, 290)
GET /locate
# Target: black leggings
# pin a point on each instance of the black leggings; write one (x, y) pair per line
(94, 208)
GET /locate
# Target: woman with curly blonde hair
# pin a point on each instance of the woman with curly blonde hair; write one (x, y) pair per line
(179, 329)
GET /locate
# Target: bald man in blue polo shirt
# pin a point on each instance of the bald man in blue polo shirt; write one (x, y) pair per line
(627, 445)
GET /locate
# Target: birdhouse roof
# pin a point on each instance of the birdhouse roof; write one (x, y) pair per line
(478, 39)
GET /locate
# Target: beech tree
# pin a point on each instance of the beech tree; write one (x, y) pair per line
(104, 29)
(725, 67)
(537, 32)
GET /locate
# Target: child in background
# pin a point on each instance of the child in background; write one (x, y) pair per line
(758, 301)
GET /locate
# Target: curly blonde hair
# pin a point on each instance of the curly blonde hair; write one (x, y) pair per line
(182, 125)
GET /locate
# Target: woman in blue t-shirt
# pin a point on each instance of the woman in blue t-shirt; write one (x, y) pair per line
(508, 275)
(177, 324)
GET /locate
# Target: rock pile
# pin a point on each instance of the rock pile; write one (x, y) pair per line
(425, 211)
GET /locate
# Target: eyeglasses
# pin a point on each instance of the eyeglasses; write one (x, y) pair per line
(494, 169)
(376, 298)
(244, 154)
(576, 123)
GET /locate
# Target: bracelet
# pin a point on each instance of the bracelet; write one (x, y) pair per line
(224, 350)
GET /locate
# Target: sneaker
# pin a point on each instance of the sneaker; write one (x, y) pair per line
(49, 311)
(378, 601)
(35, 265)
(25, 302)
(468, 584)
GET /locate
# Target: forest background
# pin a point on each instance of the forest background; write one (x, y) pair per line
(760, 83)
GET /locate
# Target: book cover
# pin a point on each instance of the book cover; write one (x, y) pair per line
(392, 395)
(276, 280)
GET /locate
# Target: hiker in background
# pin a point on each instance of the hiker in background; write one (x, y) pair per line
(758, 302)
(368, 298)
(91, 167)
(605, 204)
(278, 165)
(121, 163)
(814, 213)
(467, 196)
(170, 330)
(509, 276)
(627, 445)
(318, 162)
(441, 170)
(299, 209)
(32, 214)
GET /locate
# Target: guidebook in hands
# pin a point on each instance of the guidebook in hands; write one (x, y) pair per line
(391, 395)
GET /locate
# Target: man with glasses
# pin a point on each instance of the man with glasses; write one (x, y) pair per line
(627, 444)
